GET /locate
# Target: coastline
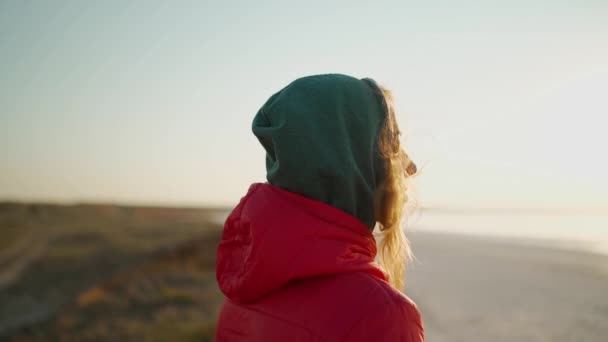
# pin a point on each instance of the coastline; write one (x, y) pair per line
(481, 288)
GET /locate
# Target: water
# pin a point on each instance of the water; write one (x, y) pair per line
(219, 217)
(565, 230)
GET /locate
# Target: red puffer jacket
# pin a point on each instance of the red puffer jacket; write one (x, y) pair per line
(295, 269)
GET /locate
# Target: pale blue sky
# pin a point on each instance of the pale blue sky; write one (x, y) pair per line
(504, 103)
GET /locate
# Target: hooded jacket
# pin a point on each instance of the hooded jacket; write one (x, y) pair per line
(296, 259)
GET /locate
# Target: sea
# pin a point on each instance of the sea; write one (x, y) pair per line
(576, 230)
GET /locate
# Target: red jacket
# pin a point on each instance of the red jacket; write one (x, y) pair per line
(294, 269)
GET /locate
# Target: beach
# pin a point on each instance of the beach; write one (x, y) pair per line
(472, 288)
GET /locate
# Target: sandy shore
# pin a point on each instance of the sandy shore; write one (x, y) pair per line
(483, 289)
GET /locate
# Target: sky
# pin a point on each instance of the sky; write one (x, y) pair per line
(502, 103)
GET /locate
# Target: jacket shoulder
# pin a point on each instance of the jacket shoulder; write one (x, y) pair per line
(385, 294)
(388, 316)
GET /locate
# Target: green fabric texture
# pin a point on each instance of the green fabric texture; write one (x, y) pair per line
(320, 134)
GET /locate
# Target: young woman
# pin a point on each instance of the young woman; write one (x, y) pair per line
(296, 260)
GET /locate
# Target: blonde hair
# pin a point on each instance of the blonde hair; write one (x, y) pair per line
(391, 197)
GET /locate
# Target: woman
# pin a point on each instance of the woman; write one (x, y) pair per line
(296, 260)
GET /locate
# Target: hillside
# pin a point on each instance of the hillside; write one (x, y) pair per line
(97, 272)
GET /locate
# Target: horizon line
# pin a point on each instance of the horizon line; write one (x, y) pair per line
(436, 209)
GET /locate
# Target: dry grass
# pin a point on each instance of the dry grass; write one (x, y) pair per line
(115, 274)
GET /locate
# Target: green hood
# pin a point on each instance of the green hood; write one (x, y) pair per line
(320, 134)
